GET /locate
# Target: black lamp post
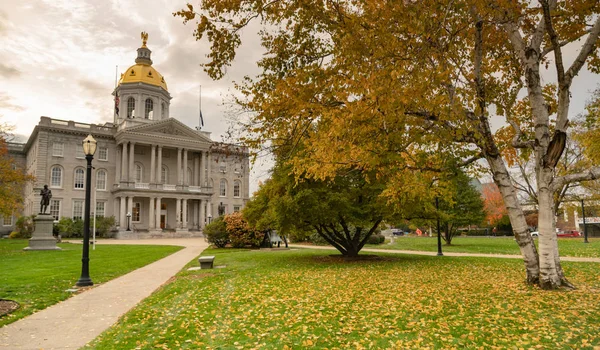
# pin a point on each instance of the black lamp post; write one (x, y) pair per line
(128, 220)
(89, 148)
(585, 234)
(439, 237)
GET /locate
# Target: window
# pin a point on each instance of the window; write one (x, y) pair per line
(223, 188)
(135, 213)
(138, 173)
(236, 189)
(222, 165)
(162, 110)
(79, 151)
(79, 178)
(236, 208)
(99, 209)
(77, 209)
(189, 176)
(8, 220)
(55, 208)
(57, 149)
(130, 107)
(101, 180)
(102, 153)
(149, 108)
(164, 175)
(56, 176)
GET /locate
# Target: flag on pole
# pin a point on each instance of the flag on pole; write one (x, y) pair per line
(201, 119)
(117, 103)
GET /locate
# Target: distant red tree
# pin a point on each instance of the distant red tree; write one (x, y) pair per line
(493, 204)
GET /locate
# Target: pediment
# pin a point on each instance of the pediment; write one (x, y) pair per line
(168, 127)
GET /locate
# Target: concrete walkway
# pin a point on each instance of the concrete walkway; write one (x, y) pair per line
(416, 252)
(76, 321)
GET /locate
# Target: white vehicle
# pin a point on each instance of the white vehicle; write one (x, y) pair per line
(535, 234)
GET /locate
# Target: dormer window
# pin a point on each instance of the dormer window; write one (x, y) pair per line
(132, 73)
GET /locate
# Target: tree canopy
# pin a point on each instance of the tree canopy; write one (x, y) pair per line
(12, 180)
(397, 88)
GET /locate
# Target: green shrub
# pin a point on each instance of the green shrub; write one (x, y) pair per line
(104, 226)
(376, 239)
(23, 227)
(69, 228)
(216, 233)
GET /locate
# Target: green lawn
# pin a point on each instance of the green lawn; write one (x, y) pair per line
(490, 245)
(38, 279)
(310, 299)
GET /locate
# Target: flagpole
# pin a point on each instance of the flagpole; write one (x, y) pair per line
(200, 122)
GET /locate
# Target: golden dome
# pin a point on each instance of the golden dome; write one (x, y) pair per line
(143, 73)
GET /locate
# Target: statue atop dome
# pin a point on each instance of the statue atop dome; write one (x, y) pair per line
(144, 37)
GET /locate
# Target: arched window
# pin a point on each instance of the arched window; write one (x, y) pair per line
(138, 173)
(164, 175)
(101, 180)
(56, 176)
(79, 178)
(236, 189)
(223, 188)
(163, 110)
(130, 107)
(149, 108)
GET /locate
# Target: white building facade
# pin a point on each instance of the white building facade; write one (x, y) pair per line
(153, 173)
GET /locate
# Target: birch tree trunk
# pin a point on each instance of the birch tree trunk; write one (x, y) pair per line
(517, 218)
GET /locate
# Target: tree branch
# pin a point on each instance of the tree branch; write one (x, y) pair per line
(590, 174)
(516, 141)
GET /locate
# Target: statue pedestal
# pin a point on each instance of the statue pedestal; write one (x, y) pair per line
(42, 238)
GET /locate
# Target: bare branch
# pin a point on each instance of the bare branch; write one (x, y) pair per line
(516, 142)
(590, 174)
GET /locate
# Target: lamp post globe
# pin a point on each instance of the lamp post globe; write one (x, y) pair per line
(128, 221)
(209, 218)
(89, 149)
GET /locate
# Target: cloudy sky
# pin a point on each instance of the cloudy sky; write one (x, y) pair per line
(58, 59)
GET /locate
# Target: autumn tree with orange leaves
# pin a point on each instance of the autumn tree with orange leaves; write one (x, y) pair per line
(12, 180)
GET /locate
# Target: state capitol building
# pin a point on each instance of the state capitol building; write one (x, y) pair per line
(168, 178)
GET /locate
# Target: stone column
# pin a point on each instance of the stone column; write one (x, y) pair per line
(178, 166)
(202, 167)
(130, 207)
(201, 215)
(131, 159)
(178, 213)
(122, 214)
(158, 205)
(152, 164)
(159, 166)
(196, 171)
(184, 212)
(115, 210)
(208, 166)
(118, 161)
(195, 216)
(151, 216)
(124, 162)
(186, 181)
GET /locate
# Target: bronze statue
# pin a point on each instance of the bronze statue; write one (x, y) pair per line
(144, 36)
(46, 195)
(221, 209)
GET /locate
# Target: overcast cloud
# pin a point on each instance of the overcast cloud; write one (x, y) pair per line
(58, 59)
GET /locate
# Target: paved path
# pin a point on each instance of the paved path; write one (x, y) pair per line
(416, 252)
(76, 321)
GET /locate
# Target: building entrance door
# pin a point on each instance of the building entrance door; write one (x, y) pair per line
(163, 215)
